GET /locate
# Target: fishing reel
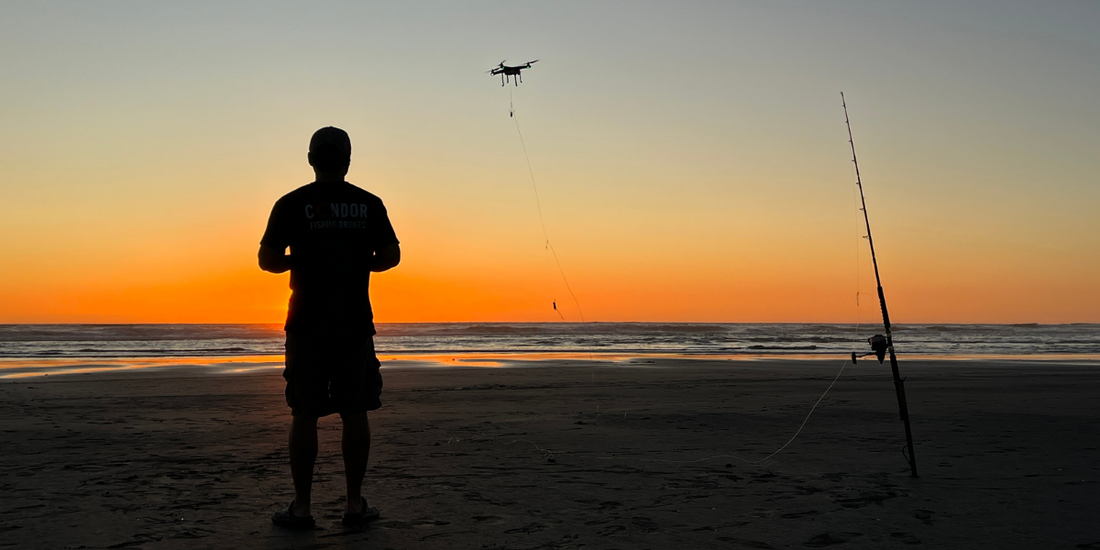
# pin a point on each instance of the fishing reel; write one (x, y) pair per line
(879, 346)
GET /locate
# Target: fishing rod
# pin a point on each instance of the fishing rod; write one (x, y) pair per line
(881, 345)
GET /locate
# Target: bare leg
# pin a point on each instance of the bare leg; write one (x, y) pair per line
(356, 450)
(303, 455)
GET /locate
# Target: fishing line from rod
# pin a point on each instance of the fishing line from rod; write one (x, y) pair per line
(856, 328)
(762, 461)
(550, 456)
(812, 409)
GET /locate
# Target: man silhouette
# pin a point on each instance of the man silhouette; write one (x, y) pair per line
(337, 234)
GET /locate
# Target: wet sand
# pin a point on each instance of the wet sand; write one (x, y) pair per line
(658, 455)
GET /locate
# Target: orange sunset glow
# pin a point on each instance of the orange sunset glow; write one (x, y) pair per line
(692, 163)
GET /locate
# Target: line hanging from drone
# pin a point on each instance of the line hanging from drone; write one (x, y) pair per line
(506, 72)
(546, 238)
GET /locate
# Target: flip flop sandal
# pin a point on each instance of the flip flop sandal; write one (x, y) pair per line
(286, 518)
(366, 513)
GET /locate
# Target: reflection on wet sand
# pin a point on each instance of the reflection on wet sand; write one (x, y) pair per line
(24, 368)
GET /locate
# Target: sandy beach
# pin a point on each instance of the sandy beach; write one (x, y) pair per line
(667, 454)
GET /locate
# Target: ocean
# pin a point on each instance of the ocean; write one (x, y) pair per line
(28, 350)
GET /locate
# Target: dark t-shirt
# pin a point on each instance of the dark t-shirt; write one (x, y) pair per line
(332, 230)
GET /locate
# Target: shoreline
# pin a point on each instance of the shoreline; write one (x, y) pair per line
(20, 368)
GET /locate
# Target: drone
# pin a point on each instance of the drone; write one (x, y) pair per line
(505, 71)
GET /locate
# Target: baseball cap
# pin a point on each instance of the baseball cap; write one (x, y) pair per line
(330, 135)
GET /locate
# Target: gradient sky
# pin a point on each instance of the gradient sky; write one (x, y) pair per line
(691, 158)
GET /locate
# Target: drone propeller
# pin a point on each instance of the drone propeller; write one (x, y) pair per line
(535, 61)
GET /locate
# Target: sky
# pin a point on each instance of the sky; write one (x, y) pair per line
(690, 158)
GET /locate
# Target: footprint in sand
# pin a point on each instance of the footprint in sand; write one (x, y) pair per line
(493, 519)
(611, 530)
(828, 539)
(529, 528)
(925, 516)
(796, 515)
(907, 538)
(645, 524)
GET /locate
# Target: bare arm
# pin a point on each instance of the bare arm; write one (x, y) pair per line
(275, 261)
(387, 258)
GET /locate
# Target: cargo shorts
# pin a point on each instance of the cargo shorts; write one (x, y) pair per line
(328, 374)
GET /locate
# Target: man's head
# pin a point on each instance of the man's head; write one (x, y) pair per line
(330, 151)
